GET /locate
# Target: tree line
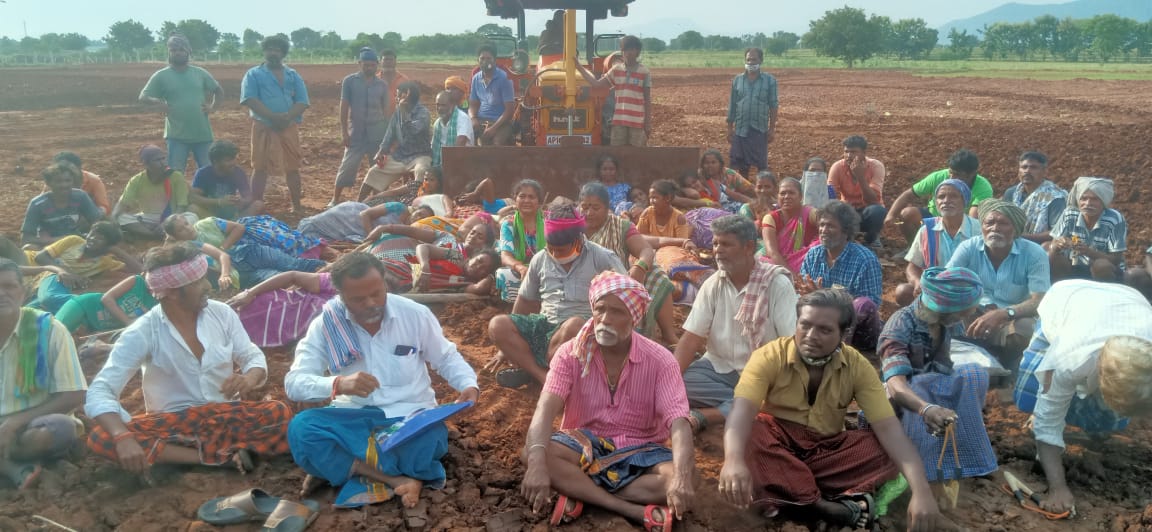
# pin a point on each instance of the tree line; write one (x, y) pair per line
(847, 34)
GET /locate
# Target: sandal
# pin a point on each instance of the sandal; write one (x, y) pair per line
(651, 524)
(291, 516)
(248, 505)
(513, 378)
(867, 512)
(561, 514)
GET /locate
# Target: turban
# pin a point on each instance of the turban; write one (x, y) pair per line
(1014, 213)
(177, 275)
(564, 227)
(179, 41)
(960, 187)
(149, 152)
(632, 293)
(457, 83)
(947, 290)
(1101, 186)
(368, 54)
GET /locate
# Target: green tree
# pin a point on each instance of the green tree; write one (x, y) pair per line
(167, 29)
(653, 45)
(229, 44)
(846, 34)
(1111, 36)
(1070, 40)
(492, 27)
(961, 44)
(332, 41)
(371, 40)
(252, 40)
(30, 45)
(128, 35)
(913, 38)
(391, 40)
(74, 42)
(201, 35)
(306, 38)
(689, 40)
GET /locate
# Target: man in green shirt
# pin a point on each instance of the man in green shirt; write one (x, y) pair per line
(962, 165)
(150, 196)
(186, 94)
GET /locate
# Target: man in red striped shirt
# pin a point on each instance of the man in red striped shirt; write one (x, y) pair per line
(631, 84)
(622, 396)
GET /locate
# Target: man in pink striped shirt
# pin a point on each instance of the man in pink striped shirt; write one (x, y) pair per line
(631, 84)
(622, 396)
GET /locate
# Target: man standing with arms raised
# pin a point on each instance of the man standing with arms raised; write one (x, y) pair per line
(182, 91)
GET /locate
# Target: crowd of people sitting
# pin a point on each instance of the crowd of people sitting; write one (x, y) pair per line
(783, 300)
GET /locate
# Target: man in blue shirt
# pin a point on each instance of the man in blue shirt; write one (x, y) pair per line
(839, 262)
(221, 189)
(364, 100)
(61, 211)
(492, 101)
(276, 98)
(1015, 273)
(752, 109)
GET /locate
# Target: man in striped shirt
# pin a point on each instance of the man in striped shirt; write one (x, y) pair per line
(631, 84)
(621, 396)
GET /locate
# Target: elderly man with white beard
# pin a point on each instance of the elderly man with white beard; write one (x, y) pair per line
(621, 396)
(1015, 273)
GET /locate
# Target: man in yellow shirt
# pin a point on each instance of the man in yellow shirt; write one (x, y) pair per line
(785, 443)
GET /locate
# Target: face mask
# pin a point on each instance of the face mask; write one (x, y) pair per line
(819, 362)
(752, 69)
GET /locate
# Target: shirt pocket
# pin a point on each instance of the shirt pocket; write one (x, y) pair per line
(401, 370)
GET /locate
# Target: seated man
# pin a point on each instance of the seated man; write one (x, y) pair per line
(83, 258)
(186, 349)
(221, 189)
(1089, 239)
(61, 211)
(785, 442)
(859, 180)
(407, 146)
(90, 183)
(745, 305)
(43, 384)
(552, 302)
(150, 196)
(1087, 366)
(614, 459)
(1015, 275)
(369, 353)
(962, 165)
(938, 238)
(452, 128)
(839, 262)
(1041, 200)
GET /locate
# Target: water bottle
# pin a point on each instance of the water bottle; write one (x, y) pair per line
(831, 192)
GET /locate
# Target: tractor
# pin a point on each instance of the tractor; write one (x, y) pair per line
(559, 114)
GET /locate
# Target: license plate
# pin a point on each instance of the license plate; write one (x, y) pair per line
(554, 140)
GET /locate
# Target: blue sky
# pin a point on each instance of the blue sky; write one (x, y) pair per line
(650, 18)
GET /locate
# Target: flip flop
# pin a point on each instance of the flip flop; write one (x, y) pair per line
(292, 516)
(248, 505)
(513, 378)
(561, 514)
(650, 522)
(852, 503)
(244, 461)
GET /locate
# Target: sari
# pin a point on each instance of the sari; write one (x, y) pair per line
(701, 221)
(795, 237)
(441, 223)
(614, 235)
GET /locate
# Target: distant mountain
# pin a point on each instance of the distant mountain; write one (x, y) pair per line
(1012, 13)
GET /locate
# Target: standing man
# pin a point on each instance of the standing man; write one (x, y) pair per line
(276, 98)
(1042, 200)
(631, 84)
(364, 98)
(452, 128)
(186, 94)
(492, 100)
(392, 77)
(752, 109)
(407, 146)
(859, 180)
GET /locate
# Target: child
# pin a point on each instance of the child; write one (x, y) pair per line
(631, 84)
(637, 202)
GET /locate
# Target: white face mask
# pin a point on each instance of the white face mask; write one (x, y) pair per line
(752, 68)
(567, 260)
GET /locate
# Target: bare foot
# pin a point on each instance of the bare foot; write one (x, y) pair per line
(311, 484)
(243, 461)
(408, 489)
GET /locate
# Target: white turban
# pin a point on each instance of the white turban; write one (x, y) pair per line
(1101, 186)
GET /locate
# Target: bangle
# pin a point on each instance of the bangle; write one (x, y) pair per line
(123, 436)
(335, 386)
(926, 407)
(642, 264)
(535, 445)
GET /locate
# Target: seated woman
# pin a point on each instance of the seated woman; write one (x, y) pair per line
(762, 205)
(1089, 239)
(347, 221)
(278, 311)
(221, 189)
(607, 173)
(790, 230)
(815, 182)
(61, 211)
(481, 197)
(521, 235)
(254, 261)
(115, 309)
(929, 392)
(722, 186)
(621, 237)
(668, 231)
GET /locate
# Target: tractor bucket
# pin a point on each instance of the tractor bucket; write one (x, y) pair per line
(561, 169)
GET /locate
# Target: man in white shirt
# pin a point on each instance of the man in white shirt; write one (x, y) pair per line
(745, 305)
(452, 127)
(1086, 367)
(188, 349)
(369, 353)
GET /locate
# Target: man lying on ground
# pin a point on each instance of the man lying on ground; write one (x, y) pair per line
(369, 354)
(785, 442)
(83, 258)
(188, 349)
(43, 383)
(621, 396)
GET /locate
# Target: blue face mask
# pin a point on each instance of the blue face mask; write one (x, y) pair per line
(752, 68)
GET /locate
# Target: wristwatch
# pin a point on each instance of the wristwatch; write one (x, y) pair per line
(1011, 312)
